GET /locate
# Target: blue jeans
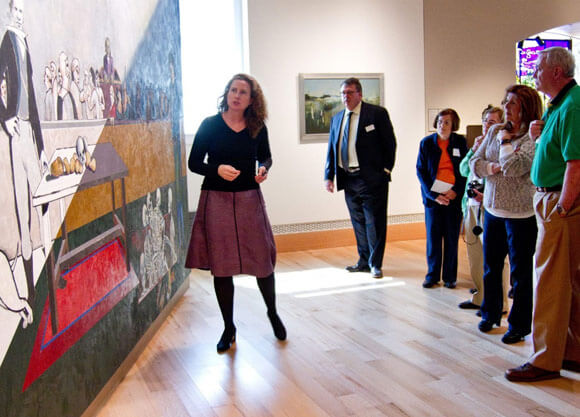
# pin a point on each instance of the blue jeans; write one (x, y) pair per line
(443, 224)
(516, 238)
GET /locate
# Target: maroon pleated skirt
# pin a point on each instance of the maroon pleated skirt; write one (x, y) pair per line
(231, 235)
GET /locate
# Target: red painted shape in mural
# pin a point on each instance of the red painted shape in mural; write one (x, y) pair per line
(94, 286)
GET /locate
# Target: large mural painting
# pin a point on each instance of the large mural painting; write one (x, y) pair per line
(92, 174)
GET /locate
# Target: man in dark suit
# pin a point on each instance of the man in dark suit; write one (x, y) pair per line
(361, 155)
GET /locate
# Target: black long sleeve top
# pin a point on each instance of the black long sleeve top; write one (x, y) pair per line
(222, 145)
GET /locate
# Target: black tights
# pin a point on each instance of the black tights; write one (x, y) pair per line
(224, 290)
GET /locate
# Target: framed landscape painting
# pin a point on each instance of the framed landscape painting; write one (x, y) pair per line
(320, 100)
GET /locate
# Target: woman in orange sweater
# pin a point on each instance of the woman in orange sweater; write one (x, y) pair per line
(442, 187)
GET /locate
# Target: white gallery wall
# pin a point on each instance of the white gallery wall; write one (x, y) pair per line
(433, 54)
(335, 36)
(470, 48)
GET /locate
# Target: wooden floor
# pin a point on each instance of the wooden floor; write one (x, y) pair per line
(356, 347)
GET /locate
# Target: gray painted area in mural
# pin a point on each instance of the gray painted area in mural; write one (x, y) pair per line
(86, 41)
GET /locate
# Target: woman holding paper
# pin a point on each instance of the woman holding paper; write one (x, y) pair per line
(442, 187)
(504, 159)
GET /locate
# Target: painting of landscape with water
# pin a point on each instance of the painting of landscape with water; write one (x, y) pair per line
(320, 100)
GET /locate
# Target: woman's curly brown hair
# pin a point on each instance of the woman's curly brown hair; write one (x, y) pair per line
(256, 112)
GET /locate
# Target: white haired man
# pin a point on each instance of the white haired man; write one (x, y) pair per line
(556, 174)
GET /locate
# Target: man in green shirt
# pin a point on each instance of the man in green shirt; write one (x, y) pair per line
(556, 174)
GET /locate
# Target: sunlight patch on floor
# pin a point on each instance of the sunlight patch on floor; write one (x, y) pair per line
(350, 289)
(322, 281)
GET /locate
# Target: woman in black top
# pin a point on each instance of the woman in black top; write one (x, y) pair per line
(231, 231)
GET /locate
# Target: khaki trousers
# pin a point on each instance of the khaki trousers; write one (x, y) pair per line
(556, 320)
(475, 256)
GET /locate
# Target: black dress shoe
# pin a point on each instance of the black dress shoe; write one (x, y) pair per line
(571, 365)
(468, 305)
(512, 336)
(228, 338)
(478, 313)
(450, 285)
(529, 373)
(358, 268)
(428, 284)
(277, 326)
(486, 325)
(376, 272)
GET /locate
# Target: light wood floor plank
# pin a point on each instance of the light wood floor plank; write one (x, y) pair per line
(356, 347)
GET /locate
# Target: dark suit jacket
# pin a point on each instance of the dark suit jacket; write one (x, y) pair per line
(375, 146)
(428, 164)
(9, 72)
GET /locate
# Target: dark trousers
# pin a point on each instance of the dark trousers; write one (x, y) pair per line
(516, 238)
(443, 224)
(367, 205)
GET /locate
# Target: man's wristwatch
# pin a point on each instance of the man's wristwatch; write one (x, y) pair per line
(562, 212)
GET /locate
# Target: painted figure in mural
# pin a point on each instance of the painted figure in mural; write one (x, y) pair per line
(159, 244)
(100, 97)
(55, 87)
(65, 106)
(48, 97)
(92, 95)
(112, 103)
(231, 232)
(157, 228)
(149, 103)
(137, 113)
(123, 103)
(75, 88)
(20, 121)
(10, 297)
(108, 67)
(169, 238)
(85, 95)
(164, 293)
(109, 81)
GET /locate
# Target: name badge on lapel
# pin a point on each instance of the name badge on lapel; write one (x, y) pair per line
(456, 152)
(370, 128)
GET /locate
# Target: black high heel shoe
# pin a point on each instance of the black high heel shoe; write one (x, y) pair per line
(228, 338)
(277, 326)
(486, 325)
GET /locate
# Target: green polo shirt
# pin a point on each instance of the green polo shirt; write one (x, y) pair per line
(560, 138)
